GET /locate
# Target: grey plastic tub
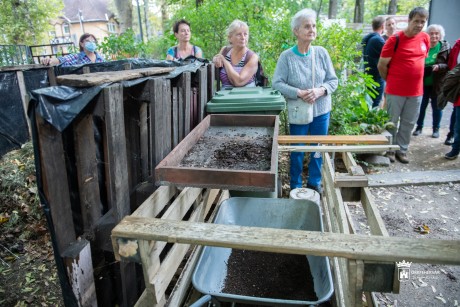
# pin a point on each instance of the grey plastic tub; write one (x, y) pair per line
(211, 270)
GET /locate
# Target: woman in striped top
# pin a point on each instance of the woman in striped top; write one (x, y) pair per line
(237, 62)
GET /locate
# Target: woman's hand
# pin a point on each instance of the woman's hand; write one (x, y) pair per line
(312, 94)
(218, 60)
(435, 67)
(49, 61)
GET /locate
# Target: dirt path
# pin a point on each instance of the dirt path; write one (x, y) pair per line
(423, 211)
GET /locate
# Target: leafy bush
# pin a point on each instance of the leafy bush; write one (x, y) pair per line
(123, 46)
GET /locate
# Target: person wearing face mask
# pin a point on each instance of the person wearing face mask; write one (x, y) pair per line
(184, 48)
(87, 54)
(238, 64)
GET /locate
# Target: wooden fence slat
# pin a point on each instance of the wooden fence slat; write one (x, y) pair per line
(175, 117)
(211, 81)
(146, 168)
(184, 104)
(87, 172)
(116, 151)
(333, 139)
(55, 183)
(202, 93)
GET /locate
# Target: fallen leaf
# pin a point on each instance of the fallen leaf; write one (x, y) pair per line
(422, 283)
(433, 288)
(441, 299)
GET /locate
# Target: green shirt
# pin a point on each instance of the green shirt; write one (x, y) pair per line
(430, 61)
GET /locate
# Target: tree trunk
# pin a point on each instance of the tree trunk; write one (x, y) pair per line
(148, 31)
(125, 13)
(359, 11)
(164, 15)
(332, 9)
(392, 7)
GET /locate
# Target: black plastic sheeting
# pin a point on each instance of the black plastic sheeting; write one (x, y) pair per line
(59, 105)
(13, 125)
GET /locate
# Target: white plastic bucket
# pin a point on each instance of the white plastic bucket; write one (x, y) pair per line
(304, 193)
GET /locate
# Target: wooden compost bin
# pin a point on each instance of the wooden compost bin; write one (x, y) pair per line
(235, 128)
(101, 167)
(361, 263)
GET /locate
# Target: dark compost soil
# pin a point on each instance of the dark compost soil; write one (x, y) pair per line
(231, 149)
(269, 275)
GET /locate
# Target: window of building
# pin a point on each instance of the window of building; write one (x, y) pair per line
(111, 27)
(66, 29)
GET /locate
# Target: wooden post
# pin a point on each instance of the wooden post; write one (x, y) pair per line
(184, 85)
(24, 97)
(55, 182)
(202, 92)
(77, 259)
(88, 178)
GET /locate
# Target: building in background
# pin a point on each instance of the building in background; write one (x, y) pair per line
(83, 16)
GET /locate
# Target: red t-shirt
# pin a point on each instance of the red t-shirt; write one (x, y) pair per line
(405, 71)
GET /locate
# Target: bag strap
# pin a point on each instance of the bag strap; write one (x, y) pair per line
(397, 43)
(313, 61)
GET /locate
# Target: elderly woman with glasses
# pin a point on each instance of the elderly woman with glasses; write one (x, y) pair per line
(305, 75)
(435, 70)
(87, 54)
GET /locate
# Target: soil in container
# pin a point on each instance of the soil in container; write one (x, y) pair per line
(220, 149)
(269, 275)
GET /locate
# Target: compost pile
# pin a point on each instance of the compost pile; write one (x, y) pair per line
(269, 275)
(221, 149)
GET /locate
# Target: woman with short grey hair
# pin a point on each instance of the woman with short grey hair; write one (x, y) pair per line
(435, 70)
(305, 75)
(238, 64)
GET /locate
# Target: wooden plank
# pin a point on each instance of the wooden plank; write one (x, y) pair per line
(185, 89)
(24, 98)
(342, 148)
(363, 247)
(98, 78)
(153, 205)
(116, 151)
(145, 151)
(211, 81)
(334, 196)
(79, 268)
(339, 224)
(345, 180)
(87, 172)
(375, 221)
(55, 182)
(52, 77)
(175, 117)
(161, 119)
(202, 92)
(333, 139)
(414, 178)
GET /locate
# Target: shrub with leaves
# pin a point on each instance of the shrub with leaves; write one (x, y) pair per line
(123, 46)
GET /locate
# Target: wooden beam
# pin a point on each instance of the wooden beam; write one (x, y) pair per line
(342, 148)
(333, 139)
(97, 78)
(345, 180)
(376, 248)
(79, 267)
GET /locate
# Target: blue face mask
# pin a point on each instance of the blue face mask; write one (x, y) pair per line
(90, 46)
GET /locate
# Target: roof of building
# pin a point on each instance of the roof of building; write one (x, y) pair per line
(91, 10)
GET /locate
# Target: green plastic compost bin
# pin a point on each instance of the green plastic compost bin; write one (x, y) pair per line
(247, 100)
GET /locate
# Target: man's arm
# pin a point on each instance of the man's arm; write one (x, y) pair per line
(382, 66)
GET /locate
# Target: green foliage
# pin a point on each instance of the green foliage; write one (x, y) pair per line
(27, 22)
(123, 46)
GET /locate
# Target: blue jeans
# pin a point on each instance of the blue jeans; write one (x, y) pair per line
(428, 92)
(456, 145)
(319, 126)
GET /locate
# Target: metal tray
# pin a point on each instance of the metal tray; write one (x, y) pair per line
(211, 270)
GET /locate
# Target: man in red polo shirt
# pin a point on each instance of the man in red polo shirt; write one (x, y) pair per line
(401, 64)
